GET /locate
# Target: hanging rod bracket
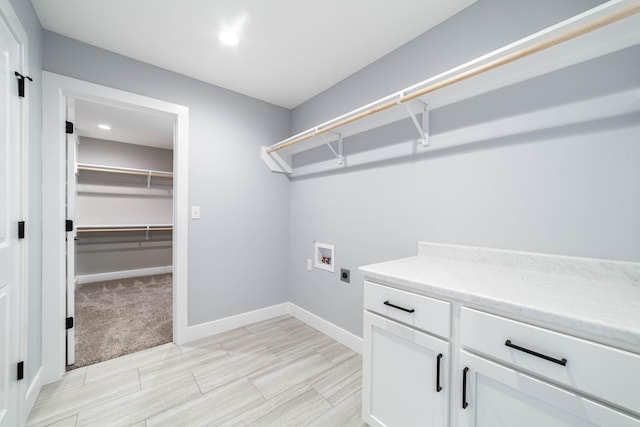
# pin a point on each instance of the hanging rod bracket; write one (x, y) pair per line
(339, 153)
(423, 128)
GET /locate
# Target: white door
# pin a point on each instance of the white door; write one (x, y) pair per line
(496, 396)
(71, 235)
(10, 211)
(405, 375)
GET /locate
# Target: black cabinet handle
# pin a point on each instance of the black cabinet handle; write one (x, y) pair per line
(438, 386)
(464, 388)
(408, 310)
(562, 361)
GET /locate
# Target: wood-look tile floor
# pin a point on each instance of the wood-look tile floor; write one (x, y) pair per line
(280, 372)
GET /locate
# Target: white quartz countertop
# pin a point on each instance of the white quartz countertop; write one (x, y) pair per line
(601, 301)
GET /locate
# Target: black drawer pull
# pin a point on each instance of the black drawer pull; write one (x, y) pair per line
(562, 361)
(408, 310)
(464, 388)
(438, 386)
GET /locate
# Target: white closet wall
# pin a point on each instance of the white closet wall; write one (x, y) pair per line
(112, 199)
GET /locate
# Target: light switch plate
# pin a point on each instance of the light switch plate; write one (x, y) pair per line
(309, 265)
(195, 212)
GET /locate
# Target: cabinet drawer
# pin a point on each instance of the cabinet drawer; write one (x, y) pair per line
(598, 370)
(430, 315)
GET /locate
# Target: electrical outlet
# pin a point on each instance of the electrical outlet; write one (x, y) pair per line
(309, 265)
(345, 275)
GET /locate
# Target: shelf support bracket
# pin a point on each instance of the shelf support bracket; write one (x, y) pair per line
(338, 154)
(149, 179)
(276, 162)
(146, 234)
(423, 129)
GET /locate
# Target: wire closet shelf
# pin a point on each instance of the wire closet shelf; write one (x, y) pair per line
(610, 27)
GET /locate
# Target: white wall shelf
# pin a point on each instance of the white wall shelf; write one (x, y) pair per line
(86, 167)
(608, 28)
(124, 228)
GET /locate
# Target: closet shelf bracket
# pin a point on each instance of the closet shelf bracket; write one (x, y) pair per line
(423, 128)
(276, 162)
(149, 179)
(339, 153)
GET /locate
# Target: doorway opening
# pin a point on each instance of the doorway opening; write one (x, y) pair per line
(120, 249)
(59, 328)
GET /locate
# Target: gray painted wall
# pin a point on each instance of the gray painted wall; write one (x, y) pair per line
(104, 198)
(31, 24)
(113, 153)
(238, 251)
(479, 29)
(571, 190)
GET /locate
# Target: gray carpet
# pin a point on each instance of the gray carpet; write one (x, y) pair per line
(119, 317)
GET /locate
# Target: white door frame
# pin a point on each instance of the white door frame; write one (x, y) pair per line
(71, 143)
(55, 89)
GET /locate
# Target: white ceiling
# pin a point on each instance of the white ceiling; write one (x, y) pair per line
(132, 127)
(289, 51)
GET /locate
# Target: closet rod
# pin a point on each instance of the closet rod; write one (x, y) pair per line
(545, 44)
(121, 229)
(126, 172)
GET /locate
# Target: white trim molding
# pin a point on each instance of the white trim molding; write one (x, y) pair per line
(204, 330)
(33, 391)
(55, 90)
(344, 337)
(124, 274)
(222, 325)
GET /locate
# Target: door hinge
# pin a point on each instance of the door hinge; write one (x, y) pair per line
(69, 323)
(68, 127)
(68, 225)
(21, 80)
(20, 229)
(20, 375)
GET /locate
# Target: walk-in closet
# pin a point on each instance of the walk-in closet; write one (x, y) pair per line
(120, 199)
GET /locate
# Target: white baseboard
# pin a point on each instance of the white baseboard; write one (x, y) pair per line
(125, 274)
(204, 330)
(345, 338)
(32, 392)
(222, 325)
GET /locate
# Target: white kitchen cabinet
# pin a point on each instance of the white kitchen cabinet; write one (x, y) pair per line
(405, 375)
(537, 339)
(493, 395)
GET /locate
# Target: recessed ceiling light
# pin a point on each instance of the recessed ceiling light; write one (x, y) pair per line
(104, 127)
(229, 38)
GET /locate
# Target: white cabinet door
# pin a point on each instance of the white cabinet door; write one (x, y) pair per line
(405, 375)
(11, 203)
(492, 395)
